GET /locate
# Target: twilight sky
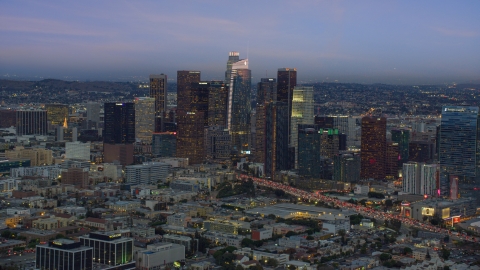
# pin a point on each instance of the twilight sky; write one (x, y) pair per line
(398, 42)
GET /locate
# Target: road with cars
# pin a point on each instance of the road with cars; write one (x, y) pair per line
(364, 211)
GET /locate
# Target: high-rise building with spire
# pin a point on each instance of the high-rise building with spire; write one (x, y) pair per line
(239, 104)
(233, 57)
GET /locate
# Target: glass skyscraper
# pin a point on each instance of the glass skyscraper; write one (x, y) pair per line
(239, 105)
(458, 151)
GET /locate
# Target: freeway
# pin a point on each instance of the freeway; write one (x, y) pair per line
(365, 211)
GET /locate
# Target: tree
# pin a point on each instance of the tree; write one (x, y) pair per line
(445, 253)
(388, 203)
(408, 250)
(246, 242)
(310, 237)
(289, 233)
(59, 236)
(363, 250)
(385, 257)
(272, 262)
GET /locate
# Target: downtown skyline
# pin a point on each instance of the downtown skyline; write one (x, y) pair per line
(399, 42)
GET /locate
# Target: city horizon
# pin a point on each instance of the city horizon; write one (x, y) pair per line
(372, 42)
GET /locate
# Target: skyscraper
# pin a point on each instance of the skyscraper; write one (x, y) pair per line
(190, 136)
(276, 138)
(302, 113)
(266, 93)
(144, 118)
(239, 105)
(309, 140)
(458, 150)
(164, 144)
(373, 147)
(286, 82)
(266, 90)
(56, 113)
(119, 132)
(158, 91)
(217, 103)
(402, 137)
(185, 78)
(233, 57)
(31, 122)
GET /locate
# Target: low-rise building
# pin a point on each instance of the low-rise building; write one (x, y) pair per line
(262, 234)
(159, 255)
(178, 239)
(228, 239)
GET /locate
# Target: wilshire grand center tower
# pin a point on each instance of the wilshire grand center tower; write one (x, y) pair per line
(238, 105)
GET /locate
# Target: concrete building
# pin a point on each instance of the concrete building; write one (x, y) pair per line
(37, 156)
(144, 118)
(159, 255)
(228, 239)
(146, 173)
(77, 150)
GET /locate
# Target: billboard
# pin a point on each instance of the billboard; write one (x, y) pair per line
(428, 211)
(453, 187)
(445, 213)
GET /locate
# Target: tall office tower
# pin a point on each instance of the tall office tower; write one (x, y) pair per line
(218, 143)
(266, 93)
(77, 150)
(191, 123)
(421, 151)
(110, 248)
(239, 105)
(185, 78)
(329, 141)
(199, 99)
(93, 114)
(429, 179)
(286, 82)
(324, 121)
(217, 103)
(309, 159)
(158, 91)
(373, 147)
(164, 144)
(302, 113)
(346, 168)
(276, 138)
(64, 254)
(266, 90)
(411, 177)
(233, 57)
(259, 154)
(56, 113)
(459, 134)
(119, 132)
(190, 136)
(346, 125)
(402, 137)
(8, 118)
(31, 122)
(144, 118)
(392, 158)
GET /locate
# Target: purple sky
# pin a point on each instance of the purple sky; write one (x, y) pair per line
(399, 42)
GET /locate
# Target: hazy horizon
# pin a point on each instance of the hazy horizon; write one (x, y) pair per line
(394, 42)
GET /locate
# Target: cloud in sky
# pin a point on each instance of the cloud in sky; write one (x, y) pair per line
(336, 39)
